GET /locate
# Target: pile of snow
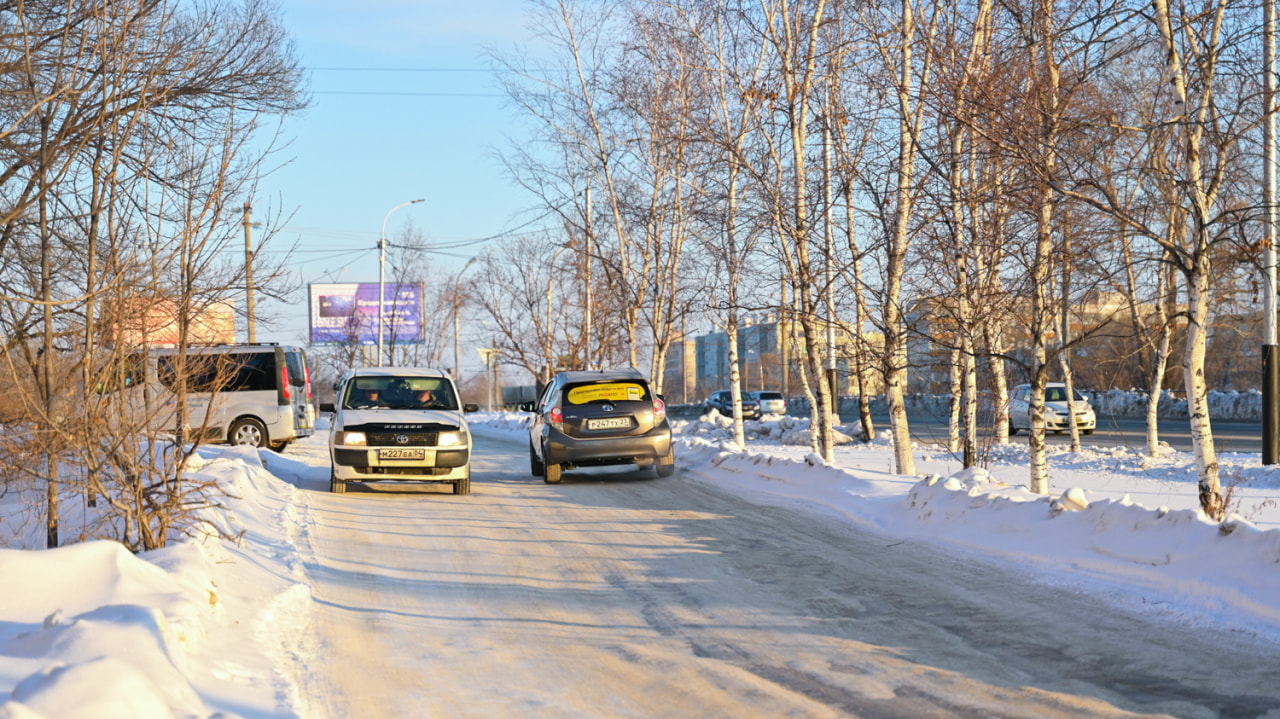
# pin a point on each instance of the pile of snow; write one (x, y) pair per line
(1230, 405)
(774, 428)
(200, 628)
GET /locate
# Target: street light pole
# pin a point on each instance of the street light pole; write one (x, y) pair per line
(457, 342)
(248, 276)
(586, 311)
(1270, 361)
(382, 271)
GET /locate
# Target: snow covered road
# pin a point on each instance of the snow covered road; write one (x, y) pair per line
(616, 594)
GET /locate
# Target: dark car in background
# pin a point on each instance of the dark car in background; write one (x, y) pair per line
(606, 417)
(722, 402)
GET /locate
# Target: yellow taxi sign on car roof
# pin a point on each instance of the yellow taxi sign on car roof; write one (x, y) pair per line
(612, 392)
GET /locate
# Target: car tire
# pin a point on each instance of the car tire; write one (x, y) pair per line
(279, 447)
(1087, 431)
(535, 464)
(552, 474)
(1013, 431)
(463, 486)
(666, 466)
(337, 486)
(248, 431)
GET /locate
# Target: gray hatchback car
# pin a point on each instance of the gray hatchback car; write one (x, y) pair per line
(598, 418)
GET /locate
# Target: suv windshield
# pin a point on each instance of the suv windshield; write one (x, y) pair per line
(399, 393)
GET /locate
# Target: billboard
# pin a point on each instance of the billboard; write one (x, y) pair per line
(348, 312)
(155, 322)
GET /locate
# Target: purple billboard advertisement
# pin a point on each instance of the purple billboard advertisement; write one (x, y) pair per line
(348, 312)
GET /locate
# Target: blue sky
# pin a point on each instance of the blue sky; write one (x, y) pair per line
(403, 108)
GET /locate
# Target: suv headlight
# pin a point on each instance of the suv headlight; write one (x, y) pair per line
(451, 439)
(350, 438)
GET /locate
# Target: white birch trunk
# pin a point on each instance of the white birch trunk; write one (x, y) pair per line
(895, 337)
(1210, 488)
(1198, 292)
(1161, 360)
(1041, 304)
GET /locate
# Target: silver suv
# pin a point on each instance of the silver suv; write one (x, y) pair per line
(598, 418)
(770, 402)
(399, 424)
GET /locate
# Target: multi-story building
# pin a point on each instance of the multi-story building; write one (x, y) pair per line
(763, 363)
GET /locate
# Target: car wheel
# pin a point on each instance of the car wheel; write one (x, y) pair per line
(666, 466)
(337, 486)
(1013, 431)
(279, 447)
(552, 474)
(1088, 431)
(463, 486)
(247, 431)
(535, 464)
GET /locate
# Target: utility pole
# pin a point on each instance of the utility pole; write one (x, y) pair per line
(784, 339)
(829, 291)
(248, 276)
(1270, 368)
(586, 312)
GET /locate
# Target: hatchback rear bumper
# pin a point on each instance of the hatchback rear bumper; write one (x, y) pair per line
(562, 449)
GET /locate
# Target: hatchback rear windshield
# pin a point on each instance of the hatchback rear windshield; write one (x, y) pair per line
(769, 395)
(623, 391)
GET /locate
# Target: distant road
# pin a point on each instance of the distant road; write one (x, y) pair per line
(1228, 436)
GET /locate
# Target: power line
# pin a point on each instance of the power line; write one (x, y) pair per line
(412, 69)
(408, 94)
(398, 69)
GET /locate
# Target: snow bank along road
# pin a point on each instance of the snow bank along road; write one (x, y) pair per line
(617, 594)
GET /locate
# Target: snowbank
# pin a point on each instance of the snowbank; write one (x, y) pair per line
(197, 629)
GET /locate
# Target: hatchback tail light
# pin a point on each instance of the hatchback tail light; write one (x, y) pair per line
(284, 381)
(556, 418)
(659, 409)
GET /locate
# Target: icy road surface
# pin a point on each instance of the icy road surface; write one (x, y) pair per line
(617, 594)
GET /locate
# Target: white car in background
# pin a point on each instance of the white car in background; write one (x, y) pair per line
(1056, 417)
(770, 402)
(401, 424)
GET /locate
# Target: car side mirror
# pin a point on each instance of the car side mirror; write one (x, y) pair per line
(470, 408)
(528, 407)
(327, 407)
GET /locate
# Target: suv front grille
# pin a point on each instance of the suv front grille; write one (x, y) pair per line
(388, 439)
